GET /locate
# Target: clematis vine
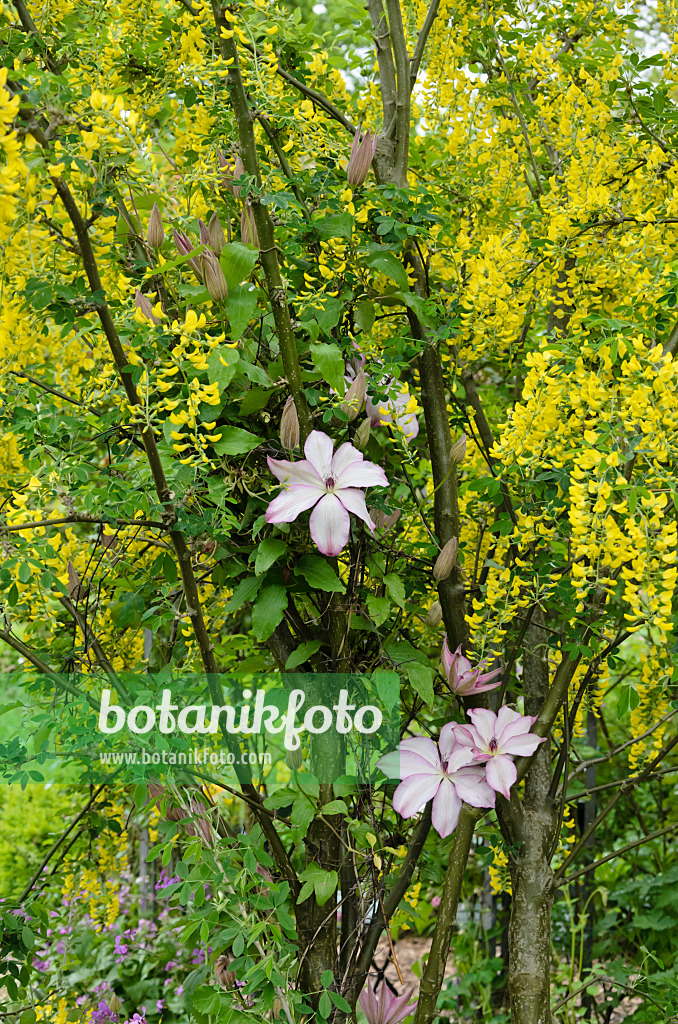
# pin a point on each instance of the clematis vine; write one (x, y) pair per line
(463, 678)
(495, 740)
(331, 483)
(442, 772)
(386, 1008)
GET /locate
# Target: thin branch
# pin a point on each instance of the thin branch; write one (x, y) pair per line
(53, 391)
(287, 170)
(402, 118)
(31, 28)
(582, 794)
(91, 641)
(43, 667)
(619, 853)
(422, 39)
(81, 519)
(519, 114)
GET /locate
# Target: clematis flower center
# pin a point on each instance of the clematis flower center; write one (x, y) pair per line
(329, 483)
(493, 745)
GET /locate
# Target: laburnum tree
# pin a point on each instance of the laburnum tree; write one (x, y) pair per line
(422, 255)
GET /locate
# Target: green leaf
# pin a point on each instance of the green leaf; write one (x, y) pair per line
(363, 315)
(302, 654)
(326, 978)
(339, 1001)
(302, 815)
(329, 361)
(29, 1016)
(338, 225)
(25, 572)
(325, 887)
(396, 589)
(319, 573)
(421, 307)
(268, 552)
(240, 307)
(330, 315)
(237, 262)
(27, 937)
(386, 263)
(421, 679)
(388, 688)
(246, 590)
(379, 608)
(204, 932)
(235, 441)
(324, 1004)
(217, 371)
(268, 611)
(334, 807)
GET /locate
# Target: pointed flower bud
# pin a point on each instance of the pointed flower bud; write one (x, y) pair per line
(248, 227)
(294, 759)
(238, 172)
(354, 399)
(289, 425)
(216, 234)
(434, 614)
(215, 282)
(458, 453)
(362, 435)
(155, 235)
(184, 246)
(144, 305)
(115, 1004)
(446, 560)
(205, 237)
(382, 521)
(360, 161)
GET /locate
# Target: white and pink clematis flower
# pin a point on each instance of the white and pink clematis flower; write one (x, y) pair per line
(496, 740)
(441, 772)
(462, 677)
(386, 1008)
(330, 481)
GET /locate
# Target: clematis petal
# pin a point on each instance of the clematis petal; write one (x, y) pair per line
(402, 763)
(501, 774)
(461, 757)
(506, 716)
(318, 451)
(446, 807)
(521, 745)
(414, 792)
(480, 687)
(519, 726)
(354, 501)
(291, 502)
(301, 472)
(466, 735)
(472, 786)
(399, 1007)
(343, 457)
(362, 474)
(446, 657)
(330, 525)
(424, 747)
(484, 722)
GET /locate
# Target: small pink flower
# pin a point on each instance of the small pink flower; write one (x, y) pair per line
(462, 677)
(497, 739)
(441, 772)
(386, 1008)
(330, 482)
(435, 902)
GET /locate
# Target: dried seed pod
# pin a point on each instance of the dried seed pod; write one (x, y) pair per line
(446, 559)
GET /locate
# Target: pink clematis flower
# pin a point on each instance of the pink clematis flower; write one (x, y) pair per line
(331, 482)
(441, 772)
(497, 739)
(462, 677)
(396, 411)
(386, 1008)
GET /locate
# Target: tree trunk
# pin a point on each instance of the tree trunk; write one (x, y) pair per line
(531, 875)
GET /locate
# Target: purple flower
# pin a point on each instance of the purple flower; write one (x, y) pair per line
(440, 772)
(462, 677)
(103, 1014)
(386, 1008)
(331, 483)
(496, 739)
(184, 246)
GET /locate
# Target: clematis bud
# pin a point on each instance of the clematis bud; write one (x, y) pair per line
(248, 227)
(205, 238)
(362, 435)
(216, 234)
(446, 559)
(215, 282)
(294, 759)
(115, 1004)
(458, 453)
(155, 235)
(434, 614)
(354, 398)
(144, 305)
(360, 161)
(289, 425)
(382, 521)
(184, 246)
(225, 977)
(238, 172)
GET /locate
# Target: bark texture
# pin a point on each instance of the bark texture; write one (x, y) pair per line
(531, 875)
